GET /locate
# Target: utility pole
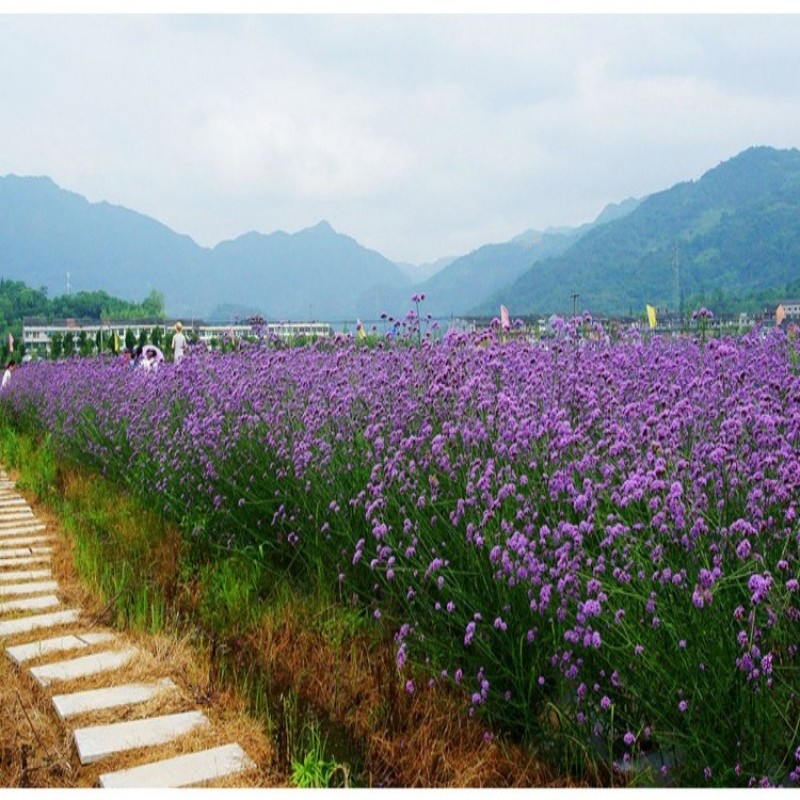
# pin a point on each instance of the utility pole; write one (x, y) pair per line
(676, 282)
(575, 297)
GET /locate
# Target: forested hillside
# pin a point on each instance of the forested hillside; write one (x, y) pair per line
(18, 300)
(733, 237)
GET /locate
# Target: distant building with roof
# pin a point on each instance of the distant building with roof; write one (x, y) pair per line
(38, 333)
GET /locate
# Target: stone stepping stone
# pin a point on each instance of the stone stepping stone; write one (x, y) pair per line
(30, 604)
(31, 527)
(29, 587)
(25, 575)
(104, 661)
(19, 522)
(24, 561)
(99, 741)
(12, 627)
(10, 520)
(67, 705)
(19, 541)
(10, 553)
(13, 539)
(26, 652)
(185, 770)
(14, 514)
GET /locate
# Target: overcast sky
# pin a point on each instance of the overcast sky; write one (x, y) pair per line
(421, 136)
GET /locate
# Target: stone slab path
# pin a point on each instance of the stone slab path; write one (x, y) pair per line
(26, 624)
(7, 576)
(8, 531)
(29, 604)
(68, 705)
(74, 668)
(27, 652)
(19, 541)
(48, 648)
(31, 587)
(99, 741)
(182, 770)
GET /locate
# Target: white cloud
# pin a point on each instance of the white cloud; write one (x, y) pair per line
(420, 136)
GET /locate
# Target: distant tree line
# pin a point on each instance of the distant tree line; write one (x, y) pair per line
(17, 301)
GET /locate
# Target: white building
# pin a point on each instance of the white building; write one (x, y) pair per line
(37, 334)
(282, 330)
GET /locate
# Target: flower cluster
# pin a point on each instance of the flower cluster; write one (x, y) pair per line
(702, 313)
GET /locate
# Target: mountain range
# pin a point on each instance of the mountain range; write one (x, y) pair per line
(731, 233)
(731, 238)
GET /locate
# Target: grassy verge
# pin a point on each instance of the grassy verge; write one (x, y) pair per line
(322, 677)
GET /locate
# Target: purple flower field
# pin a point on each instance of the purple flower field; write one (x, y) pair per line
(598, 541)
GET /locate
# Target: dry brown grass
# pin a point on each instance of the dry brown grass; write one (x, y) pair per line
(421, 740)
(33, 751)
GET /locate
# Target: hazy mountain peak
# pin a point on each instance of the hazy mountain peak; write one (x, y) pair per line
(528, 237)
(614, 211)
(322, 228)
(40, 180)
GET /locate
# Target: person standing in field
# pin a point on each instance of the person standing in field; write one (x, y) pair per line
(10, 367)
(178, 343)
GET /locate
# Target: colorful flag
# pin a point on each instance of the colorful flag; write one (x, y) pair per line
(362, 334)
(116, 342)
(651, 316)
(505, 321)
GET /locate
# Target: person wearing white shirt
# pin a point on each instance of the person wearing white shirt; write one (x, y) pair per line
(10, 367)
(178, 342)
